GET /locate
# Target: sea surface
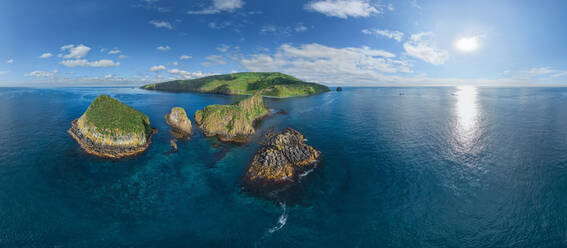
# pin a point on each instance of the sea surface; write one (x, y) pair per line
(400, 167)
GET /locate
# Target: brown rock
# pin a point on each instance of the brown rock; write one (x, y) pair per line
(282, 157)
(179, 122)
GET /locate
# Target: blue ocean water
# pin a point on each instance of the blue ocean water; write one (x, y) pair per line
(400, 167)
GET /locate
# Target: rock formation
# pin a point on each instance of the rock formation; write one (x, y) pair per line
(339, 89)
(233, 122)
(180, 124)
(112, 129)
(281, 158)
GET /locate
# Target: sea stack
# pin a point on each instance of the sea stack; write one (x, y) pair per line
(281, 159)
(233, 122)
(180, 124)
(111, 129)
(339, 89)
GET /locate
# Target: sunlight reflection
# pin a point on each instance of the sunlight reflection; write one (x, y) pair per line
(467, 117)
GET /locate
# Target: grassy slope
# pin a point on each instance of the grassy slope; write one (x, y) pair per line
(244, 83)
(113, 117)
(245, 111)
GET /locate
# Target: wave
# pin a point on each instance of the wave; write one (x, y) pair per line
(282, 220)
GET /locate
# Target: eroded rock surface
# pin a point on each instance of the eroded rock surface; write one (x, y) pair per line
(180, 124)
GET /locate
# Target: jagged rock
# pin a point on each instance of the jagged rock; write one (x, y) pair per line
(112, 129)
(281, 158)
(339, 89)
(173, 144)
(233, 122)
(180, 124)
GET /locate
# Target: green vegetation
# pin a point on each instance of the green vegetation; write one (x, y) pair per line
(113, 117)
(244, 83)
(231, 120)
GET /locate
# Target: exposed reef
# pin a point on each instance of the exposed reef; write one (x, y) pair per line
(233, 122)
(111, 129)
(280, 159)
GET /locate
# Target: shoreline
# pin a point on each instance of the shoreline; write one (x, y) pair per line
(104, 151)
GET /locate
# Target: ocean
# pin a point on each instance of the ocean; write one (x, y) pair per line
(400, 167)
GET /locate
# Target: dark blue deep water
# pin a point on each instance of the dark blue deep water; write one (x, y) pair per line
(400, 167)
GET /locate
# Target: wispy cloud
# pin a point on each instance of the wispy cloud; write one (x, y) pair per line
(41, 74)
(421, 46)
(45, 55)
(184, 57)
(181, 74)
(157, 68)
(86, 63)
(10, 61)
(161, 24)
(344, 8)
(122, 56)
(3, 73)
(163, 48)
(219, 6)
(396, 35)
(214, 60)
(115, 51)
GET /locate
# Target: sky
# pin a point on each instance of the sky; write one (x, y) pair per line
(333, 42)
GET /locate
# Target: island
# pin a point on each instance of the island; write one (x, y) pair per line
(272, 84)
(280, 160)
(111, 129)
(339, 89)
(179, 123)
(232, 122)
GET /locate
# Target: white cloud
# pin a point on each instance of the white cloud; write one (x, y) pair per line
(10, 61)
(122, 56)
(223, 48)
(316, 62)
(396, 35)
(86, 63)
(157, 68)
(75, 52)
(219, 6)
(40, 74)
(161, 24)
(115, 51)
(181, 74)
(45, 55)
(300, 28)
(422, 47)
(163, 48)
(214, 60)
(184, 57)
(344, 8)
(3, 73)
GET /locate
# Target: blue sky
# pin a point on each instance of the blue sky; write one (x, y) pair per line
(335, 42)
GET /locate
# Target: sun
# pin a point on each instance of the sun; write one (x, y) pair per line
(467, 44)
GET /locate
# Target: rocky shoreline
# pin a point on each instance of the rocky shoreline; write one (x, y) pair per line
(280, 160)
(106, 151)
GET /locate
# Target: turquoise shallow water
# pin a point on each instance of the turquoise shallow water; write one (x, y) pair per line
(400, 167)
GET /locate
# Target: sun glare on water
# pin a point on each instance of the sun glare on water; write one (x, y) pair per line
(467, 44)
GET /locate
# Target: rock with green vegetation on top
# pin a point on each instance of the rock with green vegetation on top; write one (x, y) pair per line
(112, 129)
(180, 124)
(272, 84)
(233, 122)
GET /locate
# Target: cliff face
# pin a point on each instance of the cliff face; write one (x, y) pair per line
(281, 158)
(231, 122)
(110, 128)
(179, 122)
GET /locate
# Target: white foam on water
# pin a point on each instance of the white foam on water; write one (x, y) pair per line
(282, 220)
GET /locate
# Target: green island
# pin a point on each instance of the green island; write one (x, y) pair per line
(110, 128)
(232, 122)
(272, 84)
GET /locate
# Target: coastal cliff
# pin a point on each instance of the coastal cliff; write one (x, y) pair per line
(112, 129)
(272, 84)
(280, 159)
(180, 124)
(233, 122)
